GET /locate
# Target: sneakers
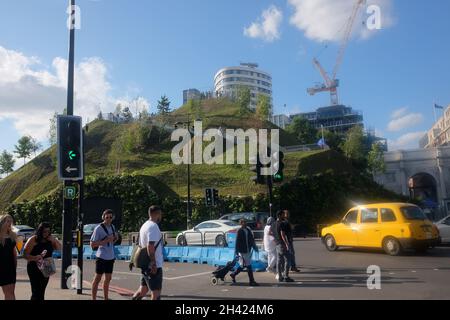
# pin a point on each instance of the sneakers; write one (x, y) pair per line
(288, 279)
(233, 277)
(295, 269)
(277, 277)
(254, 284)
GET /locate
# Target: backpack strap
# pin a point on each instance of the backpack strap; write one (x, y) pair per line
(106, 229)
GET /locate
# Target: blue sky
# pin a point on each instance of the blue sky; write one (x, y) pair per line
(146, 48)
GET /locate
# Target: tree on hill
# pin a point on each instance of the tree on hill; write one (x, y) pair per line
(24, 147)
(354, 146)
(195, 108)
(375, 159)
(243, 99)
(303, 130)
(126, 115)
(332, 139)
(6, 163)
(163, 106)
(263, 107)
(35, 146)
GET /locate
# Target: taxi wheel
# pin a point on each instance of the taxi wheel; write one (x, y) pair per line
(392, 246)
(330, 243)
(221, 241)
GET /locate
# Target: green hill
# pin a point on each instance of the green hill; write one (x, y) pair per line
(145, 149)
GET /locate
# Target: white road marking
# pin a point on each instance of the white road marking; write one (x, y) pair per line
(225, 290)
(167, 278)
(436, 269)
(413, 271)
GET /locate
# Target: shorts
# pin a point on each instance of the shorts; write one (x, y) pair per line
(155, 280)
(104, 266)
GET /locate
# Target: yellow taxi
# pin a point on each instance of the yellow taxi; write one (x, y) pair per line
(392, 227)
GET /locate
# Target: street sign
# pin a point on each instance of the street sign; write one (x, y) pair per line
(70, 193)
(70, 148)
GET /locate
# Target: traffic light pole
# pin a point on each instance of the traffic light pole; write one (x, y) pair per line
(270, 187)
(67, 203)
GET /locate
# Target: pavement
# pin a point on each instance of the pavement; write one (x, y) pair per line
(325, 275)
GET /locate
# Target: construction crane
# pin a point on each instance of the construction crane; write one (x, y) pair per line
(331, 83)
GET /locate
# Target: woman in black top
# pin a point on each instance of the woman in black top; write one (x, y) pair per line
(38, 247)
(8, 257)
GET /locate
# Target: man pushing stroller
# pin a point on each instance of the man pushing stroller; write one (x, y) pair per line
(245, 242)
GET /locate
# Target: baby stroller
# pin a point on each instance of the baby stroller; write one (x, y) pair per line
(221, 272)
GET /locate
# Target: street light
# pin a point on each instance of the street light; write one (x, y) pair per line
(191, 132)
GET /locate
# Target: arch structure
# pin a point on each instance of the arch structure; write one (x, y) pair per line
(422, 174)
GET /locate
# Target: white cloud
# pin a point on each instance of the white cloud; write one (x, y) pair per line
(406, 141)
(267, 27)
(324, 20)
(401, 120)
(399, 113)
(30, 93)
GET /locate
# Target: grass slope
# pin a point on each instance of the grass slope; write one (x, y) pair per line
(39, 177)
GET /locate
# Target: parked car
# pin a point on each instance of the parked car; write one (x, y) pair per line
(444, 229)
(255, 220)
(390, 226)
(88, 230)
(24, 231)
(212, 232)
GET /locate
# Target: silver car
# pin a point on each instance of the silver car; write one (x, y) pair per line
(444, 229)
(23, 231)
(212, 232)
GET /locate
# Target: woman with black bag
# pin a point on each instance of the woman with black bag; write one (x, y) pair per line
(38, 252)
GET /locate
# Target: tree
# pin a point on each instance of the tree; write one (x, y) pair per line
(127, 116)
(195, 108)
(6, 162)
(118, 110)
(375, 159)
(354, 146)
(144, 115)
(263, 107)
(332, 139)
(243, 99)
(303, 130)
(52, 138)
(163, 106)
(35, 146)
(24, 148)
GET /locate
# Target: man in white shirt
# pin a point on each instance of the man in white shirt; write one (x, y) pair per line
(150, 237)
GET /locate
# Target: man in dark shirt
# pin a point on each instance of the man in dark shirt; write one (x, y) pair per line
(290, 236)
(280, 231)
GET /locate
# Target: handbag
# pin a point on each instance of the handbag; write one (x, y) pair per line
(47, 267)
(140, 258)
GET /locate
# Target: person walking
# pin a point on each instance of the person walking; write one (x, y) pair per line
(8, 257)
(39, 247)
(151, 239)
(103, 238)
(270, 246)
(290, 236)
(280, 229)
(245, 242)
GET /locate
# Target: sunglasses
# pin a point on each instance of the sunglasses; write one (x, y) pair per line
(108, 217)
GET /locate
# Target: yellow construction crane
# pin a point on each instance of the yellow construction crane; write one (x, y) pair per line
(331, 83)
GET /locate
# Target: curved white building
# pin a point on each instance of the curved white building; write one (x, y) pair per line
(228, 80)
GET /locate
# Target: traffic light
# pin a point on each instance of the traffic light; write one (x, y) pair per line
(278, 165)
(215, 197)
(209, 197)
(70, 148)
(258, 179)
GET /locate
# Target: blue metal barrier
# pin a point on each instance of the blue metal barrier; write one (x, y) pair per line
(214, 256)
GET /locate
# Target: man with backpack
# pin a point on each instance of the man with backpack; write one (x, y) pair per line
(149, 256)
(103, 239)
